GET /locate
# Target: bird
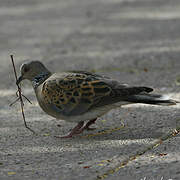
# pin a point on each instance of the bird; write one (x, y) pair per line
(81, 96)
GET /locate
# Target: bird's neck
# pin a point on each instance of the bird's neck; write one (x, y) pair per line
(40, 78)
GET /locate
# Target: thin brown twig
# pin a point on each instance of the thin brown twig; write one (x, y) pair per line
(19, 94)
(22, 96)
(26, 98)
(17, 99)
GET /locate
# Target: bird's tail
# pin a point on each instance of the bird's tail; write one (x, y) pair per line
(154, 99)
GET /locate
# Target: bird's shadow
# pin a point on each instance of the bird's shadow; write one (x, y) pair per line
(139, 128)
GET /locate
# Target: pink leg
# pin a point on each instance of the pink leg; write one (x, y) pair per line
(76, 130)
(89, 123)
(87, 126)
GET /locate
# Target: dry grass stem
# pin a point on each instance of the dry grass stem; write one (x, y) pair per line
(20, 95)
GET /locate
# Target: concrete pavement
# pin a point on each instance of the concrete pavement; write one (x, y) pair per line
(134, 41)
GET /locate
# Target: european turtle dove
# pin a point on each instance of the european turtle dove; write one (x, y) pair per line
(80, 96)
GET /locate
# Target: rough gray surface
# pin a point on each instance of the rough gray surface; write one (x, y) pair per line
(134, 41)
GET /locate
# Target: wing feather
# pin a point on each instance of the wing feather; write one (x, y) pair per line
(76, 93)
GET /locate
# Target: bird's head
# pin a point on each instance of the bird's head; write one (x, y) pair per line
(31, 70)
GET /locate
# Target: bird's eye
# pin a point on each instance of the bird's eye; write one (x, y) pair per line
(26, 69)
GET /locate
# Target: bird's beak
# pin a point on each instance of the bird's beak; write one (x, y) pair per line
(19, 80)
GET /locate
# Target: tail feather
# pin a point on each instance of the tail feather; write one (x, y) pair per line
(154, 99)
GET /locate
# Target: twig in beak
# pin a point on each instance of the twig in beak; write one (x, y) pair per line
(20, 95)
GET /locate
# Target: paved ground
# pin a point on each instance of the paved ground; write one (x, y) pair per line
(134, 41)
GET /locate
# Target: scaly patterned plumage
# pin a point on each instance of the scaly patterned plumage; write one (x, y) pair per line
(76, 93)
(78, 96)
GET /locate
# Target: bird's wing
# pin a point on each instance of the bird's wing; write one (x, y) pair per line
(76, 93)
(90, 74)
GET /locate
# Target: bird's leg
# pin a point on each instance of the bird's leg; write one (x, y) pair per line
(89, 123)
(87, 126)
(74, 131)
(79, 128)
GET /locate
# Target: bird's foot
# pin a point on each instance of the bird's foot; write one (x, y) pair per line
(90, 129)
(89, 123)
(76, 130)
(67, 136)
(79, 129)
